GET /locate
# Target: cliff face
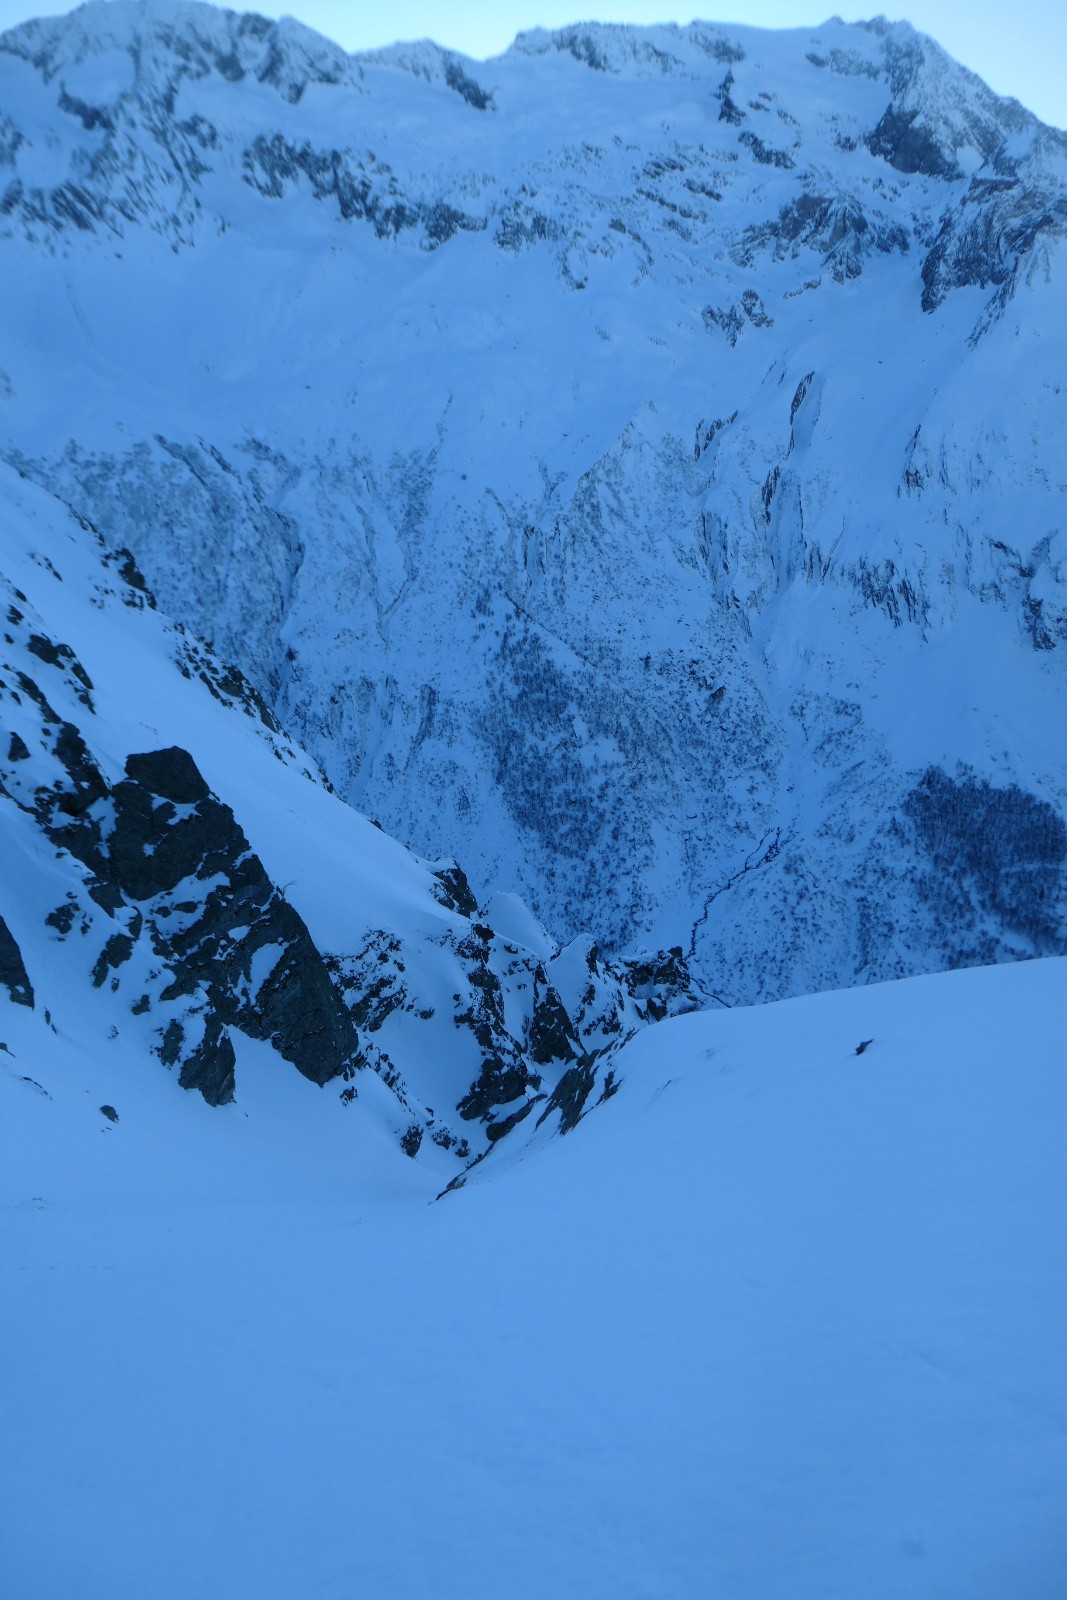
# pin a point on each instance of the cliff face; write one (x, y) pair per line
(632, 466)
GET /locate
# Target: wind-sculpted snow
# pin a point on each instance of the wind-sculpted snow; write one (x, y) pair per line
(630, 466)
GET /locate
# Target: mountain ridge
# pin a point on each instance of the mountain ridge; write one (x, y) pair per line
(602, 463)
(505, 569)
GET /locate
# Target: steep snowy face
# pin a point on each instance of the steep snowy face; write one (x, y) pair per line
(633, 466)
(180, 886)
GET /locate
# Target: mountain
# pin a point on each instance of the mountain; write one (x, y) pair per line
(504, 566)
(645, 518)
(179, 880)
(632, 467)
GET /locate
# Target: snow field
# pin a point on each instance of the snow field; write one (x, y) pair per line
(776, 1320)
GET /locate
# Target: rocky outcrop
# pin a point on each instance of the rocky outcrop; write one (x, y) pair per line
(170, 894)
(168, 862)
(171, 918)
(834, 228)
(13, 973)
(240, 941)
(992, 235)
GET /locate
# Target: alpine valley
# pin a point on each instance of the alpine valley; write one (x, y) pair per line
(496, 556)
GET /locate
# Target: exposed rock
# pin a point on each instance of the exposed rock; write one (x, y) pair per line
(465, 86)
(455, 891)
(505, 1073)
(411, 1142)
(902, 139)
(765, 154)
(990, 236)
(13, 974)
(835, 227)
(116, 952)
(63, 657)
(239, 919)
(552, 1035)
(570, 1095)
(662, 984)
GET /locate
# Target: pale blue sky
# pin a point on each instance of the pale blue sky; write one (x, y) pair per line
(1018, 46)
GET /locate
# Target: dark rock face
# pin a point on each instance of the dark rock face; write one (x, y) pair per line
(733, 320)
(210, 1066)
(169, 865)
(411, 1143)
(465, 86)
(662, 984)
(526, 1032)
(362, 192)
(172, 774)
(765, 154)
(183, 924)
(579, 43)
(224, 682)
(505, 1073)
(13, 974)
(552, 1033)
(729, 110)
(62, 656)
(902, 140)
(214, 939)
(837, 229)
(570, 1095)
(987, 239)
(455, 892)
(116, 952)
(65, 810)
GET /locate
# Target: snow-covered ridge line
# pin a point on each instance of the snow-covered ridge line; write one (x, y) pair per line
(616, 463)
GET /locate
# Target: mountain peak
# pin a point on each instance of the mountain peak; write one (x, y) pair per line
(167, 40)
(514, 419)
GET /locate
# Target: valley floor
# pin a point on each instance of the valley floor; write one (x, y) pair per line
(779, 1320)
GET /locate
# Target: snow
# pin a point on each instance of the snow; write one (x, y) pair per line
(408, 484)
(651, 603)
(342, 874)
(777, 1319)
(512, 920)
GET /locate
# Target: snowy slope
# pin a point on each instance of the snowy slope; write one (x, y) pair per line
(630, 470)
(632, 466)
(177, 880)
(779, 1319)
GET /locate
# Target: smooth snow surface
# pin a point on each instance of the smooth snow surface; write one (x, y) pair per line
(778, 1321)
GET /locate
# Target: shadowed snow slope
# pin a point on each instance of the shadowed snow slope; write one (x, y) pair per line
(782, 1319)
(632, 466)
